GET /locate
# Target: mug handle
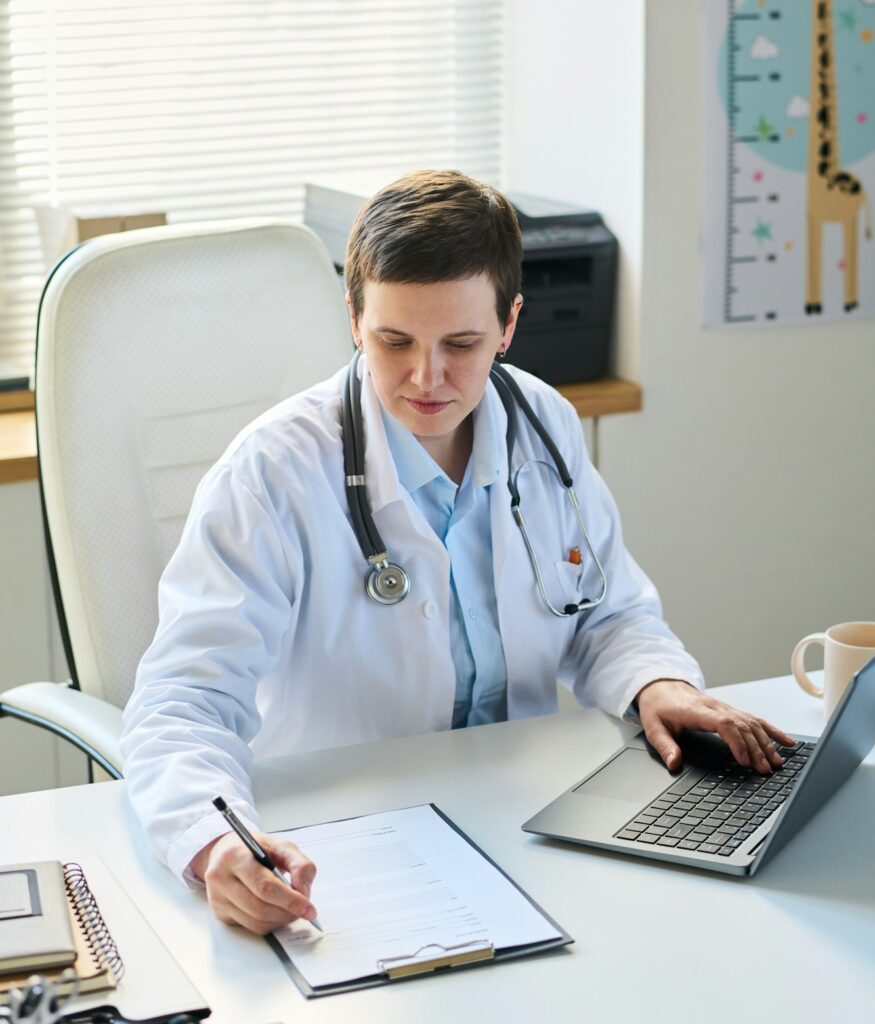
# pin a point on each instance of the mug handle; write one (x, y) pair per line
(797, 663)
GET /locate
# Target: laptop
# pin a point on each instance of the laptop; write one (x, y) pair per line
(712, 813)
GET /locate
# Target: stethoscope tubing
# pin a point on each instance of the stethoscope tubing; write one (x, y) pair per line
(510, 392)
(367, 534)
(498, 373)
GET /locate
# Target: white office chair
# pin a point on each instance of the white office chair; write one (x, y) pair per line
(154, 348)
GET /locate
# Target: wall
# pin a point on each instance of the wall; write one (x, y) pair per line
(746, 484)
(575, 128)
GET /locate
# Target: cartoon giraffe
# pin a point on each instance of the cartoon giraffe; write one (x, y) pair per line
(834, 195)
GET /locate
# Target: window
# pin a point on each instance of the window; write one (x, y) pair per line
(225, 108)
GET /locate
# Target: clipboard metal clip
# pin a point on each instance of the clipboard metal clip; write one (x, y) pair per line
(445, 956)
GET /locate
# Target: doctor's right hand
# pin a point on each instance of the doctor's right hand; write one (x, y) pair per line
(242, 892)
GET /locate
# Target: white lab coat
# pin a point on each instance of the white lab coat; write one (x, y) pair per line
(267, 643)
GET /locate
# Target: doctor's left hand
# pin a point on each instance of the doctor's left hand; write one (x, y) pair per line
(666, 706)
(242, 892)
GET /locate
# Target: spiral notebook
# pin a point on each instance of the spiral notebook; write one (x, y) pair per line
(107, 925)
(97, 963)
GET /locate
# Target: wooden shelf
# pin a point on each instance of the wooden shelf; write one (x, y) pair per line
(603, 397)
(17, 446)
(11, 401)
(18, 429)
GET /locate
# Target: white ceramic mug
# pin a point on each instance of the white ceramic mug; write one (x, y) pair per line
(847, 647)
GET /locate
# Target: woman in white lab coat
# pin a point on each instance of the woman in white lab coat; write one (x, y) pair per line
(267, 642)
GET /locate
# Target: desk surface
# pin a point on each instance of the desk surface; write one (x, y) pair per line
(796, 942)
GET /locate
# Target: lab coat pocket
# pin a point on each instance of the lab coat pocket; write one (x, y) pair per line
(571, 579)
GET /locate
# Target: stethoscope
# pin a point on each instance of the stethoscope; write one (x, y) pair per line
(387, 582)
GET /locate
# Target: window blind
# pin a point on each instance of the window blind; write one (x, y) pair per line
(225, 108)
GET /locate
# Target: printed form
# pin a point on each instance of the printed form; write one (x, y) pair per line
(389, 884)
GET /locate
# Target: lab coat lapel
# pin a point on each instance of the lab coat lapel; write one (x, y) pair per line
(384, 487)
(529, 634)
(380, 473)
(499, 496)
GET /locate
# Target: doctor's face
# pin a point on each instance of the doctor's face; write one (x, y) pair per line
(430, 348)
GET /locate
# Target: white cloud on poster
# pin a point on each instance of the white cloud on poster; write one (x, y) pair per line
(798, 106)
(763, 49)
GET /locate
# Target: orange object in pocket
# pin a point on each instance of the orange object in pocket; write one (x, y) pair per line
(574, 556)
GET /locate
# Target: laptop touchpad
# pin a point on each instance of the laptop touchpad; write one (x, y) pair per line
(632, 775)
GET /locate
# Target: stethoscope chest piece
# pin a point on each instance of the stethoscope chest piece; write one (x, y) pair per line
(387, 583)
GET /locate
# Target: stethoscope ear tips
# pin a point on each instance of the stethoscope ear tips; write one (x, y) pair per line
(387, 583)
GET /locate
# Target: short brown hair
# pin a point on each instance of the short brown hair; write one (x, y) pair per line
(435, 226)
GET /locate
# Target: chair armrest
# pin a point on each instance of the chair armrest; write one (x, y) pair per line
(91, 724)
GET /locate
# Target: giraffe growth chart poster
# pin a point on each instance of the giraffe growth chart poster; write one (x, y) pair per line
(789, 162)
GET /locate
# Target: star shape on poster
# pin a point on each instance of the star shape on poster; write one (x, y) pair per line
(848, 19)
(763, 128)
(762, 232)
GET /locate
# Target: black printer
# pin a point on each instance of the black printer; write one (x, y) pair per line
(569, 288)
(569, 277)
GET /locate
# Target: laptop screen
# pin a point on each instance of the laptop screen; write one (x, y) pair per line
(847, 739)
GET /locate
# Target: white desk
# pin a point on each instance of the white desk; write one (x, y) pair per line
(654, 943)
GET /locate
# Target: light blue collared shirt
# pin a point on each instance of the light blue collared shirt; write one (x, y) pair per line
(461, 521)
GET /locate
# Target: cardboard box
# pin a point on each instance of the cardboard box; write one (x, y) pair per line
(61, 229)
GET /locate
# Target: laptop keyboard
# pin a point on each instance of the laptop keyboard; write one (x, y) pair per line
(717, 813)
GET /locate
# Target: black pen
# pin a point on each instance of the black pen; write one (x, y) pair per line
(257, 851)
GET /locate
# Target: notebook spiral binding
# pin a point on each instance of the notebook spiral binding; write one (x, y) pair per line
(87, 913)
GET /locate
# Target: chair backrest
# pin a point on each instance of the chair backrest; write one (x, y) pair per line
(154, 348)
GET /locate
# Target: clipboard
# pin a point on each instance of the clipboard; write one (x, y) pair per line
(431, 958)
